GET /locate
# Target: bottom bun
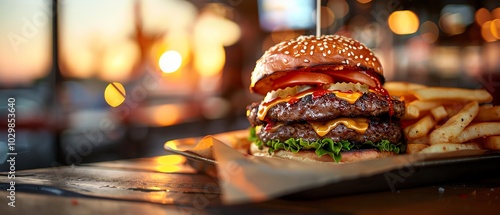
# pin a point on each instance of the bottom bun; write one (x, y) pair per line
(310, 155)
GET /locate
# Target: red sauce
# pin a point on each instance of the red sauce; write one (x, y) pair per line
(293, 100)
(269, 125)
(319, 93)
(380, 89)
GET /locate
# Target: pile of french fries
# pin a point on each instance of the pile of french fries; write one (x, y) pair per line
(441, 119)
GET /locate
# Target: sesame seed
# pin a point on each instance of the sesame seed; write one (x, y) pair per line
(296, 55)
(305, 43)
(354, 48)
(295, 46)
(355, 57)
(324, 55)
(306, 61)
(302, 51)
(321, 48)
(367, 59)
(311, 53)
(287, 52)
(343, 61)
(312, 47)
(304, 47)
(358, 64)
(371, 54)
(361, 56)
(374, 59)
(285, 61)
(360, 47)
(329, 52)
(334, 46)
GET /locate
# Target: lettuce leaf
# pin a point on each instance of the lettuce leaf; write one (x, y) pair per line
(322, 147)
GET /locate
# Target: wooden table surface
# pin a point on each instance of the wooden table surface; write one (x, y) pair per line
(167, 185)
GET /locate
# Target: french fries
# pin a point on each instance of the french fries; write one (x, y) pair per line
(452, 94)
(421, 128)
(455, 125)
(402, 88)
(443, 119)
(492, 143)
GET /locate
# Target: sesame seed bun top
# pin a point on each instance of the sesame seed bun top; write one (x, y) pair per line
(310, 51)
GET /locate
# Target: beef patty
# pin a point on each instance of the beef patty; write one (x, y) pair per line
(376, 132)
(328, 107)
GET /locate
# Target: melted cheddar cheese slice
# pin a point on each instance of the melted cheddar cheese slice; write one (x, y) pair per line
(264, 107)
(358, 124)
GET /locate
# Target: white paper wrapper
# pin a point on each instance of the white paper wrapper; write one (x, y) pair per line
(244, 178)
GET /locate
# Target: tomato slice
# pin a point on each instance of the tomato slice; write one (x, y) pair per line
(301, 78)
(352, 76)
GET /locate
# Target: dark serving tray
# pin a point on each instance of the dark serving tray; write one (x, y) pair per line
(452, 167)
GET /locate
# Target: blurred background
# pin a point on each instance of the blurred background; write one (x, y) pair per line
(104, 80)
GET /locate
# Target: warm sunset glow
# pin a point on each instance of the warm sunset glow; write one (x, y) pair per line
(114, 94)
(170, 61)
(118, 61)
(215, 27)
(403, 22)
(25, 41)
(209, 59)
(97, 45)
(165, 115)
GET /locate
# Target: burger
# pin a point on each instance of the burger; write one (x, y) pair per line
(323, 101)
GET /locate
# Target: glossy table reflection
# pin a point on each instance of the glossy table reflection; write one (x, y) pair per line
(167, 185)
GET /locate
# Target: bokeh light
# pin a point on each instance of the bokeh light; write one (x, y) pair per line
(364, 1)
(114, 94)
(452, 23)
(339, 7)
(170, 159)
(170, 61)
(403, 22)
(482, 15)
(118, 61)
(327, 17)
(495, 28)
(164, 115)
(429, 31)
(486, 32)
